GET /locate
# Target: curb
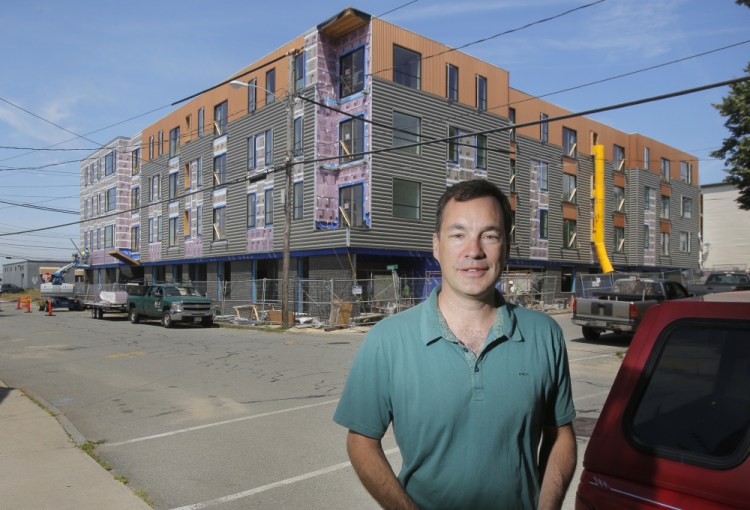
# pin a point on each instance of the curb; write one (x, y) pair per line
(77, 438)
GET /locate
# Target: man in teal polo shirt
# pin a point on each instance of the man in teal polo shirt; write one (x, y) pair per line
(478, 390)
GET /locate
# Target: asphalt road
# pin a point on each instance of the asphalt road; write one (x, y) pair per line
(225, 418)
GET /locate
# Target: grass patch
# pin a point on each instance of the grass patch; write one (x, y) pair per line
(89, 447)
(620, 354)
(141, 493)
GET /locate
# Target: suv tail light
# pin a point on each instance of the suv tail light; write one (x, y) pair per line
(575, 302)
(633, 312)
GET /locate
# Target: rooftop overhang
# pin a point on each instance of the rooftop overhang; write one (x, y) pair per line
(346, 21)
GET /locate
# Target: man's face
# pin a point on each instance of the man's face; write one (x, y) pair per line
(470, 248)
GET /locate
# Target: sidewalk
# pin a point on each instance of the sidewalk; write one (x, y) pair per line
(41, 467)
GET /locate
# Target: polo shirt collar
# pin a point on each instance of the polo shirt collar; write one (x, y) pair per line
(505, 321)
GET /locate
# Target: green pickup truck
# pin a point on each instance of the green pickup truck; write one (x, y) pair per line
(170, 303)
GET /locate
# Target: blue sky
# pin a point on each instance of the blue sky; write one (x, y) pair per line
(86, 65)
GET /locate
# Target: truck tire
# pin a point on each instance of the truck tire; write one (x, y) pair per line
(207, 322)
(590, 333)
(166, 320)
(94, 313)
(133, 314)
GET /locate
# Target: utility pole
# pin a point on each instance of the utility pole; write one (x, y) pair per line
(288, 205)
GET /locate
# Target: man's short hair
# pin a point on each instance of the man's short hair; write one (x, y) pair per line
(469, 190)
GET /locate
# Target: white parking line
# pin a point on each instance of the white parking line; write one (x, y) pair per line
(280, 483)
(593, 357)
(216, 424)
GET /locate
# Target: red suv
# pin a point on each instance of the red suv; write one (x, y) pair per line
(675, 430)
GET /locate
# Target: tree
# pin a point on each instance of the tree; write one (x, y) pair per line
(735, 150)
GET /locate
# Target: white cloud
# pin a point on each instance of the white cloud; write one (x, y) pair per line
(21, 125)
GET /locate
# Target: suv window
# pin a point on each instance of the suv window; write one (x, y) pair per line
(692, 403)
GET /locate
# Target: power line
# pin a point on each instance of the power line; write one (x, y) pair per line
(245, 179)
(41, 207)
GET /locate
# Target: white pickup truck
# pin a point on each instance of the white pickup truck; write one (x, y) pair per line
(622, 308)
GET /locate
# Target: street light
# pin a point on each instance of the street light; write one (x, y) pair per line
(288, 165)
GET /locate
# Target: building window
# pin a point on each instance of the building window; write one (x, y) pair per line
(352, 77)
(268, 207)
(407, 67)
(351, 205)
(199, 221)
(155, 188)
(687, 207)
(512, 122)
(252, 89)
(186, 222)
(453, 143)
(569, 188)
(251, 153)
(135, 238)
(189, 126)
(135, 199)
(220, 220)
(351, 139)
(268, 150)
(665, 243)
(187, 177)
(686, 172)
(513, 227)
(150, 147)
(646, 237)
(451, 85)
(512, 183)
(297, 210)
(647, 199)
(407, 199)
(298, 136)
(570, 142)
(542, 171)
(251, 210)
(543, 128)
(685, 242)
(270, 86)
(98, 238)
(543, 223)
(481, 93)
(646, 158)
(174, 142)
(569, 233)
(481, 151)
(220, 170)
(135, 162)
(220, 118)
(160, 145)
(406, 131)
(173, 177)
(109, 163)
(158, 228)
(109, 236)
(619, 157)
(619, 239)
(619, 199)
(172, 239)
(199, 173)
(201, 120)
(664, 207)
(299, 72)
(111, 199)
(665, 170)
(151, 230)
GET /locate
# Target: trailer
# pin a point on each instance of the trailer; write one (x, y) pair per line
(55, 292)
(114, 301)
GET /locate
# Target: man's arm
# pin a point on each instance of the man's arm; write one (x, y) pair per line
(557, 463)
(375, 473)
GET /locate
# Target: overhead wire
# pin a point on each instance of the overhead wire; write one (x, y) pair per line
(245, 179)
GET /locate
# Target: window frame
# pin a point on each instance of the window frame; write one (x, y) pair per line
(355, 192)
(352, 66)
(299, 71)
(570, 142)
(252, 95)
(174, 142)
(219, 227)
(270, 86)
(569, 236)
(298, 199)
(451, 82)
(109, 163)
(404, 187)
(543, 218)
(543, 127)
(220, 118)
(405, 75)
(481, 93)
(570, 193)
(268, 148)
(480, 152)
(252, 210)
(619, 239)
(399, 133)
(110, 202)
(220, 177)
(686, 212)
(267, 211)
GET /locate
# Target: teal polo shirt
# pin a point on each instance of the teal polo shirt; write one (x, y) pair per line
(468, 427)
